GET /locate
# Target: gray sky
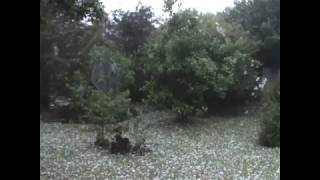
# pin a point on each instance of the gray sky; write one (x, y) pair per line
(212, 6)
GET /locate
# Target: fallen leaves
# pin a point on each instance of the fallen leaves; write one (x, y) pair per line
(209, 149)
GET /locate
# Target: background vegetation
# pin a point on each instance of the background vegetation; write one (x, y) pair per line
(98, 70)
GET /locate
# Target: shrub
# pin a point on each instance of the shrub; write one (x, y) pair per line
(80, 89)
(270, 134)
(104, 109)
(197, 59)
(83, 86)
(104, 100)
(122, 137)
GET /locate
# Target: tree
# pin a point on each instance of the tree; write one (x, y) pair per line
(65, 40)
(197, 59)
(130, 31)
(262, 19)
(168, 6)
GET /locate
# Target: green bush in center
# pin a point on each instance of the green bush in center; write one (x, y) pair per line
(195, 61)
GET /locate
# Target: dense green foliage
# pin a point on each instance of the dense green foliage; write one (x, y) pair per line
(195, 59)
(270, 135)
(262, 19)
(65, 41)
(130, 31)
(105, 108)
(192, 63)
(85, 93)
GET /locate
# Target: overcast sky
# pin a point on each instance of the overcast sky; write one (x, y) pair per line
(212, 6)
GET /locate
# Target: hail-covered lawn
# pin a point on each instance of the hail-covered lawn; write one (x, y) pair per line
(208, 148)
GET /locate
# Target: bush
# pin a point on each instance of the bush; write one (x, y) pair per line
(122, 137)
(84, 85)
(104, 100)
(80, 90)
(104, 108)
(270, 134)
(197, 59)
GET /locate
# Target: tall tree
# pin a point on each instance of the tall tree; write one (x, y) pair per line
(65, 39)
(130, 31)
(262, 19)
